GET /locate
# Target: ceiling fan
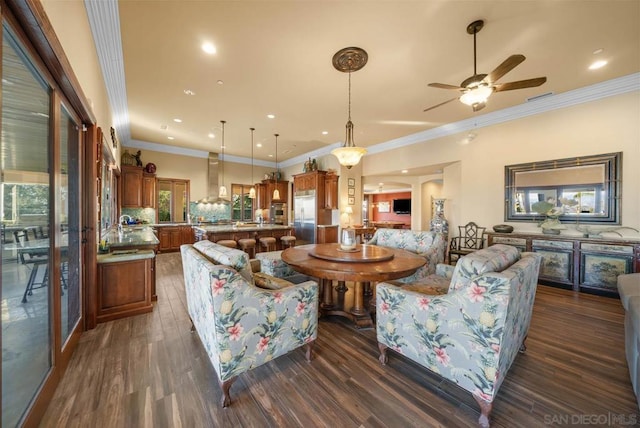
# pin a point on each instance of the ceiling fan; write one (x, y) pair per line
(477, 88)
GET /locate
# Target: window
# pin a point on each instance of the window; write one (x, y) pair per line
(173, 200)
(241, 203)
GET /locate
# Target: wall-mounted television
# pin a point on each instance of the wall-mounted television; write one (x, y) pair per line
(402, 206)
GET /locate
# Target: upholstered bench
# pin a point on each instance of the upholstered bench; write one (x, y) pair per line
(629, 289)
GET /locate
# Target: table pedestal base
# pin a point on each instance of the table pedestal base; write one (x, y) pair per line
(358, 313)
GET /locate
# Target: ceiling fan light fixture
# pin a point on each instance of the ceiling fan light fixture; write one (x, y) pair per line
(348, 60)
(478, 95)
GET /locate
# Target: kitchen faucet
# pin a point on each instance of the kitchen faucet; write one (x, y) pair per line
(121, 219)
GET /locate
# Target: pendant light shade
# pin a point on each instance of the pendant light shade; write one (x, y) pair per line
(222, 192)
(348, 60)
(252, 191)
(276, 192)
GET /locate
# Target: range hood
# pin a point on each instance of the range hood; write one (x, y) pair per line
(212, 181)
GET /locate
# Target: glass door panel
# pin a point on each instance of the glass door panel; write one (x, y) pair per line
(68, 217)
(180, 206)
(26, 255)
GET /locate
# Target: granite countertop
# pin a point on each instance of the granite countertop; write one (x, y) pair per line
(132, 236)
(126, 256)
(245, 227)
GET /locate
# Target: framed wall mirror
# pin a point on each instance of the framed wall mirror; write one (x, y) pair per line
(582, 190)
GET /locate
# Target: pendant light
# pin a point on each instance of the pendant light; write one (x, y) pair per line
(276, 192)
(222, 193)
(348, 60)
(252, 191)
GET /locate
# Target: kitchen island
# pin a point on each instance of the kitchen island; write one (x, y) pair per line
(127, 273)
(236, 232)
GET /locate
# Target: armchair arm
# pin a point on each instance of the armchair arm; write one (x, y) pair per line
(444, 270)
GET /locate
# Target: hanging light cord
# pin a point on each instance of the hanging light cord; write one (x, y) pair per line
(252, 129)
(276, 158)
(349, 128)
(223, 122)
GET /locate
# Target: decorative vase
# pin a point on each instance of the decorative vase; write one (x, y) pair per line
(439, 223)
(348, 242)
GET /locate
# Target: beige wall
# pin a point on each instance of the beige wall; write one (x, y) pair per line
(195, 170)
(475, 186)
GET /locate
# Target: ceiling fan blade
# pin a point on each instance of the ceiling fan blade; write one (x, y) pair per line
(508, 65)
(441, 104)
(445, 86)
(520, 84)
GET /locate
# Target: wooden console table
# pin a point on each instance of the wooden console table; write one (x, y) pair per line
(581, 264)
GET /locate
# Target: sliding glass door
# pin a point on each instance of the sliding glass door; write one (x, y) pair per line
(40, 198)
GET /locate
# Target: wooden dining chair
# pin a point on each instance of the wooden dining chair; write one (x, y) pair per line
(471, 239)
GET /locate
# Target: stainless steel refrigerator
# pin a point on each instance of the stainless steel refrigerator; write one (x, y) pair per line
(304, 217)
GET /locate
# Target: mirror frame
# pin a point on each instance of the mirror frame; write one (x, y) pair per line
(612, 185)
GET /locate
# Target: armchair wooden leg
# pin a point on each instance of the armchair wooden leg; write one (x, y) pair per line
(523, 347)
(309, 351)
(485, 410)
(383, 353)
(226, 385)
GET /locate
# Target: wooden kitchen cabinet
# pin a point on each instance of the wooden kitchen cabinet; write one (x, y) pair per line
(172, 237)
(331, 191)
(131, 186)
(138, 188)
(264, 192)
(327, 234)
(125, 285)
(148, 190)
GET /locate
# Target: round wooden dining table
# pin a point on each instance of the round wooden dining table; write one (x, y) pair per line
(363, 265)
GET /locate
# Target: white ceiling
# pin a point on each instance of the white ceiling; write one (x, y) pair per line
(274, 57)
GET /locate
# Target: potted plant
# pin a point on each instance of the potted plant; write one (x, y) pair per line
(551, 224)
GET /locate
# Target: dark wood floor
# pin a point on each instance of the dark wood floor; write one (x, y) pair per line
(149, 371)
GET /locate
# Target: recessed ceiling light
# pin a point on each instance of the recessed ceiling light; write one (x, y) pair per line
(270, 156)
(220, 82)
(177, 120)
(271, 116)
(380, 184)
(170, 138)
(325, 132)
(597, 64)
(211, 135)
(259, 145)
(188, 92)
(209, 48)
(404, 171)
(598, 51)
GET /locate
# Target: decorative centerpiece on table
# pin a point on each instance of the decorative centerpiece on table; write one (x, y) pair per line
(551, 224)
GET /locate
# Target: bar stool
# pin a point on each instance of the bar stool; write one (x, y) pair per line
(268, 243)
(227, 243)
(248, 245)
(288, 241)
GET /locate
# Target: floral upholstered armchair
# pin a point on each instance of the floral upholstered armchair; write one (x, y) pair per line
(471, 334)
(430, 245)
(242, 326)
